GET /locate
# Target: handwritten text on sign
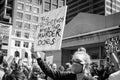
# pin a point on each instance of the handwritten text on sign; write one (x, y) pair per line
(47, 35)
(50, 31)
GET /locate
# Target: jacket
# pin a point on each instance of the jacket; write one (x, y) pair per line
(59, 75)
(17, 75)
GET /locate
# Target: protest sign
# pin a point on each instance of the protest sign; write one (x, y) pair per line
(112, 46)
(4, 33)
(9, 59)
(50, 31)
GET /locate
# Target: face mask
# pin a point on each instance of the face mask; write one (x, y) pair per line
(77, 66)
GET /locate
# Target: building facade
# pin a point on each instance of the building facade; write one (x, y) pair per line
(94, 45)
(112, 6)
(89, 31)
(26, 20)
(101, 7)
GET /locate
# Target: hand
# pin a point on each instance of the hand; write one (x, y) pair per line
(37, 55)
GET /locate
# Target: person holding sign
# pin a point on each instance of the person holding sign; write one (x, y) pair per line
(79, 69)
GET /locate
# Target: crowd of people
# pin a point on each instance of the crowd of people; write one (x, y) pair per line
(79, 68)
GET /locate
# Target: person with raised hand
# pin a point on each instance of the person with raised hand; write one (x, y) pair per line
(79, 68)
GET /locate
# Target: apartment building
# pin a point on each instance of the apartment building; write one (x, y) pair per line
(101, 7)
(24, 16)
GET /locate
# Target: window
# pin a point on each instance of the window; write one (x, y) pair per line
(27, 17)
(19, 15)
(27, 26)
(34, 27)
(35, 18)
(114, 7)
(28, 8)
(18, 24)
(26, 44)
(55, 2)
(46, 10)
(108, 10)
(61, 2)
(26, 35)
(18, 33)
(118, 8)
(36, 1)
(26, 55)
(48, 1)
(108, 3)
(117, 3)
(20, 6)
(47, 6)
(5, 52)
(36, 10)
(17, 43)
(17, 54)
(113, 11)
(30, 1)
(54, 6)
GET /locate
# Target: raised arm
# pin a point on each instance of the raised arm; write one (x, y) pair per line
(55, 74)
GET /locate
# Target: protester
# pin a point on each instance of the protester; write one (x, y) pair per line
(94, 70)
(54, 66)
(79, 68)
(34, 75)
(7, 75)
(23, 68)
(17, 73)
(101, 73)
(61, 68)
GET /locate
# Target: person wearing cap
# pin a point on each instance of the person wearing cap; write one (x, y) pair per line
(17, 73)
(79, 68)
(35, 73)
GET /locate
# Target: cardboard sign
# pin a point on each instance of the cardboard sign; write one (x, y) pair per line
(4, 33)
(112, 46)
(50, 31)
(9, 59)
